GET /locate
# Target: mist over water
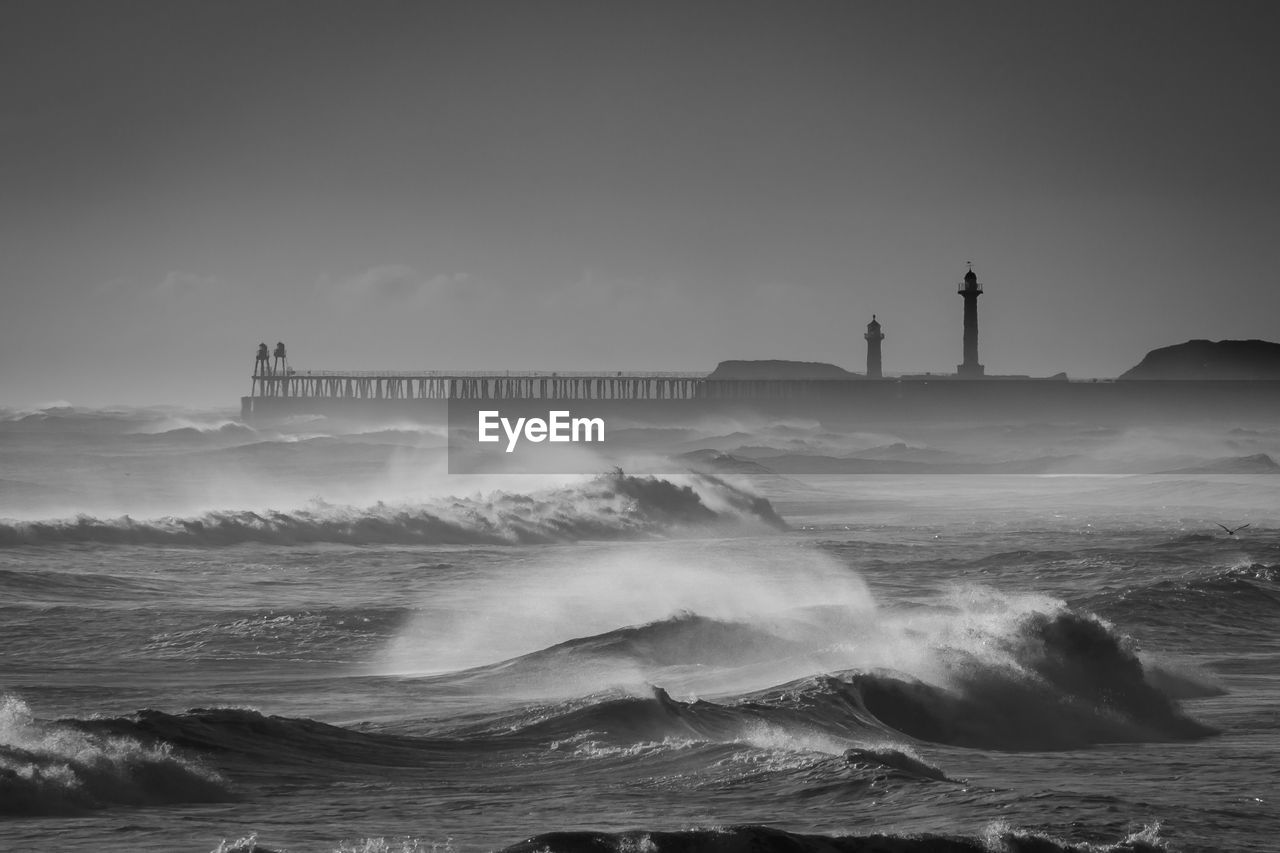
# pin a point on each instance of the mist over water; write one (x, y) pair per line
(312, 635)
(577, 592)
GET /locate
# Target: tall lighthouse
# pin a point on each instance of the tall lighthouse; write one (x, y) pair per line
(874, 336)
(970, 289)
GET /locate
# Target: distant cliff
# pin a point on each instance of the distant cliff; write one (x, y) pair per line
(1210, 360)
(775, 369)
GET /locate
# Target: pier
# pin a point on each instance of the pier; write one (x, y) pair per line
(480, 385)
(351, 390)
(330, 391)
(429, 393)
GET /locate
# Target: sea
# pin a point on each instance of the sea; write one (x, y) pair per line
(219, 637)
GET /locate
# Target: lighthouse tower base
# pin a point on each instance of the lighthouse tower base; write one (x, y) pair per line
(971, 371)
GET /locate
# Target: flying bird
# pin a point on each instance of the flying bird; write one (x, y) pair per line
(1231, 531)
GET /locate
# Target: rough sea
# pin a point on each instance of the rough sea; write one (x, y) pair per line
(215, 637)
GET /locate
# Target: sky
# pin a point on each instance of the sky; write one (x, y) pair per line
(595, 184)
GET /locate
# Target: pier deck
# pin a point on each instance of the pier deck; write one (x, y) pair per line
(481, 385)
(415, 393)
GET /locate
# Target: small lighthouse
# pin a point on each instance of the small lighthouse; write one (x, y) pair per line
(970, 289)
(874, 336)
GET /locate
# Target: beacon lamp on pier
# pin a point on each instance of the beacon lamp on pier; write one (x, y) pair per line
(970, 290)
(874, 336)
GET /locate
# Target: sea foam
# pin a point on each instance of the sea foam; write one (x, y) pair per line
(53, 768)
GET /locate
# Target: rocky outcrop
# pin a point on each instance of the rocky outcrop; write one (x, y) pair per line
(1210, 360)
(776, 369)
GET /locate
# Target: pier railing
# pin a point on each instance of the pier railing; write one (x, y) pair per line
(481, 385)
(473, 385)
(447, 374)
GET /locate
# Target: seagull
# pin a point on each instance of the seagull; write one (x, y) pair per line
(1231, 531)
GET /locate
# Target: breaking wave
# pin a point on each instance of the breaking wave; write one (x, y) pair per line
(1051, 681)
(58, 768)
(616, 506)
(1069, 683)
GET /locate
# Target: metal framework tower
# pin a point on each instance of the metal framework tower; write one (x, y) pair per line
(970, 289)
(874, 336)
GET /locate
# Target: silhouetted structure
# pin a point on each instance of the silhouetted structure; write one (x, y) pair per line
(774, 368)
(1210, 360)
(874, 336)
(970, 289)
(1167, 384)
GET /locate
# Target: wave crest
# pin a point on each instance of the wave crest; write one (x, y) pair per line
(1045, 680)
(1058, 681)
(613, 507)
(57, 769)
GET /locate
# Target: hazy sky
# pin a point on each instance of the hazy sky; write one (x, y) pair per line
(618, 185)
